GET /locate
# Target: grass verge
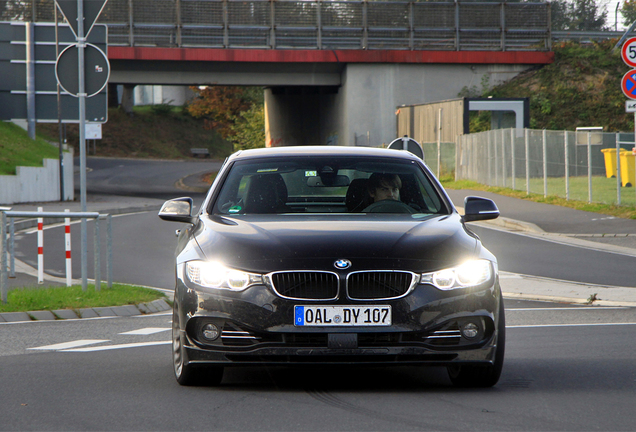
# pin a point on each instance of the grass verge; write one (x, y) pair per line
(622, 211)
(17, 149)
(36, 299)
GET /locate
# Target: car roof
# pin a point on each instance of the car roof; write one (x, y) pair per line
(322, 151)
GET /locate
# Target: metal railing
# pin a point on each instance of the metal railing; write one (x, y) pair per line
(593, 167)
(319, 24)
(7, 255)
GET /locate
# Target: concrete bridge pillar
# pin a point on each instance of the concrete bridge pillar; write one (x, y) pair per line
(361, 111)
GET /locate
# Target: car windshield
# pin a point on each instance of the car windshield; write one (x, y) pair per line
(326, 185)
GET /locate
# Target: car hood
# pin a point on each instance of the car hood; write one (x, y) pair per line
(267, 243)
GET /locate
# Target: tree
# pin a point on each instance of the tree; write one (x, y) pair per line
(220, 106)
(559, 12)
(629, 12)
(583, 15)
(248, 130)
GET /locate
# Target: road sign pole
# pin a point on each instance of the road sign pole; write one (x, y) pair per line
(59, 113)
(81, 43)
(81, 26)
(29, 28)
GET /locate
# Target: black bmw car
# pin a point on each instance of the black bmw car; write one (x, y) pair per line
(333, 255)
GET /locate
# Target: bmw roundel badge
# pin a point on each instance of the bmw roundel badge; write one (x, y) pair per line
(342, 264)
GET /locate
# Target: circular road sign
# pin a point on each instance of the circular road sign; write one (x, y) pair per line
(96, 70)
(409, 144)
(628, 52)
(628, 84)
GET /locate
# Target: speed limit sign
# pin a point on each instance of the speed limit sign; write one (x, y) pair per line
(629, 52)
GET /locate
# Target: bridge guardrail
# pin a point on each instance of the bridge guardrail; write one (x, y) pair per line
(319, 24)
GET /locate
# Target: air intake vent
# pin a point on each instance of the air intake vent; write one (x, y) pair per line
(379, 284)
(306, 285)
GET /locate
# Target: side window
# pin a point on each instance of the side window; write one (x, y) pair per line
(430, 197)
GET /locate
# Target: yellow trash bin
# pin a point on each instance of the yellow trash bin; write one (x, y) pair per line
(610, 162)
(627, 168)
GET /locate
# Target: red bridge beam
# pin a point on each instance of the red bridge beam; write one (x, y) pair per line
(329, 56)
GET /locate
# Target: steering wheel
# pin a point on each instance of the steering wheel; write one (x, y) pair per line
(389, 206)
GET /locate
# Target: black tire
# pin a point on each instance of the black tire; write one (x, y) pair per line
(186, 373)
(483, 376)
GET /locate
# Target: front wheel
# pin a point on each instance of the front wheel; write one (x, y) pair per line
(482, 376)
(186, 373)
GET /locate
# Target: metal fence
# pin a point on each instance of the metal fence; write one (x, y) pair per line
(318, 24)
(7, 249)
(593, 167)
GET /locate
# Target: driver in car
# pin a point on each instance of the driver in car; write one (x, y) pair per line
(384, 187)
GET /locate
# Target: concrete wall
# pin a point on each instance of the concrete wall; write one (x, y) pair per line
(372, 93)
(38, 184)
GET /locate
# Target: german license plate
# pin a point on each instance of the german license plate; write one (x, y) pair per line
(342, 316)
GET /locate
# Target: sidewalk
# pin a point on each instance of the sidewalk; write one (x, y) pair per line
(576, 227)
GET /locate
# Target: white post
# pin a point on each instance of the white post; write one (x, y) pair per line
(527, 164)
(589, 167)
(67, 242)
(494, 142)
(514, 169)
(439, 142)
(81, 96)
(503, 157)
(567, 166)
(96, 253)
(40, 248)
(489, 163)
(545, 164)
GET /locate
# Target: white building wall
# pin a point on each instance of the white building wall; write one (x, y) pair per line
(38, 184)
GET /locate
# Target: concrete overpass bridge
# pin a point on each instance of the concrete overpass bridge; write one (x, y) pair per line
(334, 71)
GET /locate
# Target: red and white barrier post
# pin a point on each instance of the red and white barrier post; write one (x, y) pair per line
(40, 249)
(67, 242)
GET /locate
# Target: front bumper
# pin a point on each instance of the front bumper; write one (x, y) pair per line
(256, 327)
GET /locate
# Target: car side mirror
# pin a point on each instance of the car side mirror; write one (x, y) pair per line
(478, 209)
(177, 210)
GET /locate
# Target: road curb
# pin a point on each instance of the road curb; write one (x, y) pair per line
(507, 223)
(99, 312)
(568, 300)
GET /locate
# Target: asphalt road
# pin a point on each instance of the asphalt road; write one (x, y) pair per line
(567, 368)
(142, 177)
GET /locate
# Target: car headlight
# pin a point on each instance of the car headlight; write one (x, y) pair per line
(215, 275)
(470, 274)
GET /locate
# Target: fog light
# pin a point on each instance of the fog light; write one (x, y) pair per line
(210, 332)
(470, 330)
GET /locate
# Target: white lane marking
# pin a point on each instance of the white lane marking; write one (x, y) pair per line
(72, 344)
(121, 346)
(572, 325)
(146, 331)
(574, 308)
